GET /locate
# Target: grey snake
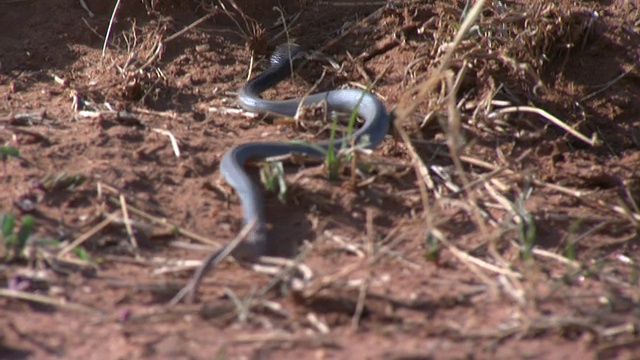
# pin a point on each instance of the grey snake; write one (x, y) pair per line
(369, 108)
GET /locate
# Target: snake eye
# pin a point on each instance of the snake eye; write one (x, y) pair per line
(284, 52)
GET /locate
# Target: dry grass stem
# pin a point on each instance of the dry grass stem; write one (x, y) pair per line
(86, 8)
(233, 111)
(473, 262)
(107, 36)
(364, 287)
(608, 84)
(420, 168)
(286, 27)
(84, 237)
(300, 274)
(593, 141)
(320, 326)
(548, 254)
(127, 223)
(46, 300)
(191, 26)
(153, 219)
(210, 262)
(412, 98)
(172, 138)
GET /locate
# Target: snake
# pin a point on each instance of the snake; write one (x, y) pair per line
(232, 165)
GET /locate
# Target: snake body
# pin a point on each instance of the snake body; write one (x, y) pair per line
(369, 108)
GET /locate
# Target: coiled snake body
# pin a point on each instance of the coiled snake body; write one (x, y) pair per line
(369, 108)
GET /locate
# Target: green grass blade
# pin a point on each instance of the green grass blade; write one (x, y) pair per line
(9, 151)
(8, 223)
(25, 231)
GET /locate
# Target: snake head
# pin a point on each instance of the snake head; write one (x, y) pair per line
(285, 52)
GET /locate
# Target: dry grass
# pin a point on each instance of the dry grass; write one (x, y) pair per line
(508, 49)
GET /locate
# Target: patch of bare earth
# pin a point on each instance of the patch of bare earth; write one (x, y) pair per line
(499, 219)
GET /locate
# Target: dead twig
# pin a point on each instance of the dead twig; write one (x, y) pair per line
(210, 262)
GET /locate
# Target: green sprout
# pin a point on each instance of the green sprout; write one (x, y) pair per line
(272, 175)
(14, 243)
(6, 152)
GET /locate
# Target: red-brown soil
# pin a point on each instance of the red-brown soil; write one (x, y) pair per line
(391, 278)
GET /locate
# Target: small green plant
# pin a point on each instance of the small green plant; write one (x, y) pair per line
(332, 159)
(272, 174)
(433, 248)
(635, 275)
(526, 234)
(572, 239)
(526, 227)
(80, 252)
(570, 251)
(6, 152)
(14, 243)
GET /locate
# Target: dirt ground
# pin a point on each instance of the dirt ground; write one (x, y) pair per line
(481, 228)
